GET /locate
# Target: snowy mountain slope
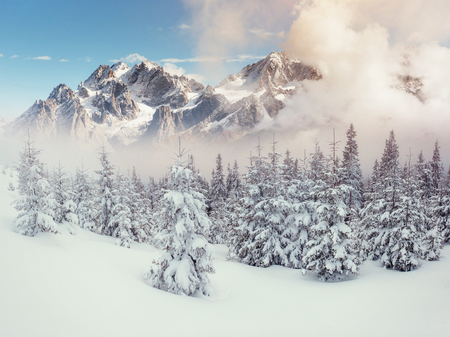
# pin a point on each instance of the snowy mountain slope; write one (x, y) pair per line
(85, 285)
(117, 104)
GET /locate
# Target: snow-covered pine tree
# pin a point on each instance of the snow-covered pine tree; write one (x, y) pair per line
(440, 213)
(288, 168)
(64, 207)
(34, 203)
(375, 225)
(235, 193)
(330, 252)
(141, 216)
(406, 223)
(105, 194)
(317, 165)
(234, 183)
(151, 193)
(218, 196)
(259, 240)
(352, 171)
(432, 203)
(301, 217)
(436, 168)
(120, 225)
(422, 171)
(184, 267)
(86, 210)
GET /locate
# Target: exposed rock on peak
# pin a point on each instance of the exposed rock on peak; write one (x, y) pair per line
(99, 76)
(160, 87)
(61, 94)
(165, 123)
(278, 69)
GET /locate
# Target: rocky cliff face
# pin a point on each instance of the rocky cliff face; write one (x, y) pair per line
(158, 87)
(165, 123)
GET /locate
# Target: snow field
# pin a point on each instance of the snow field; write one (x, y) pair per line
(85, 285)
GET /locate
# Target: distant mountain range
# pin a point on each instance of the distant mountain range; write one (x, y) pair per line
(120, 105)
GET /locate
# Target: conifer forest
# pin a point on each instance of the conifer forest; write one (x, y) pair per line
(316, 214)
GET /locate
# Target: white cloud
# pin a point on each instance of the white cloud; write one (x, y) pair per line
(1, 55)
(159, 29)
(132, 58)
(264, 34)
(44, 58)
(353, 45)
(63, 60)
(245, 58)
(179, 71)
(14, 56)
(184, 26)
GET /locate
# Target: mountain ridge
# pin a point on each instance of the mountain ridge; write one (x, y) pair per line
(121, 105)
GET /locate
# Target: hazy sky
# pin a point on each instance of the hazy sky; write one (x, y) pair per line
(47, 42)
(356, 44)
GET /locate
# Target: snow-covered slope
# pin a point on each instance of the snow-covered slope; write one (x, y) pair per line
(85, 285)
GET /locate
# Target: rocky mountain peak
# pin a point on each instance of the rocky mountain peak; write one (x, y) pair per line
(61, 94)
(100, 75)
(278, 69)
(120, 66)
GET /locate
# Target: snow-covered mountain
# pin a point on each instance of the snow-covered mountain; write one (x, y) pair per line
(145, 103)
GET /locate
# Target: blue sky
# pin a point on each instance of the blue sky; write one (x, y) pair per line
(44, 43)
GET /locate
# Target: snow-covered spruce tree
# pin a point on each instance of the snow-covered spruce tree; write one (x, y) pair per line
(301, 217)
(432, 204)
(121, 225)
(151, 193)
(218, 196)
(440, 209)
(105, 195)
(140, 207)
(259, 239)
(235, 193)
(352, 171)
(366, 229)
(437, 171)
(375, 224)
(407, 223)
(330, 252)
(422, 171)
(288, 169)
(240, 231)
(184, 267)
(86, 210)
(234, 183)
(34, 203)
(317, 165)
(64, 207)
